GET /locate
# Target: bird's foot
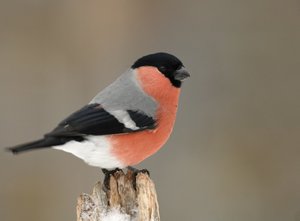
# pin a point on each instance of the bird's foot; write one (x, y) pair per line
(135, 172)
(107, 174)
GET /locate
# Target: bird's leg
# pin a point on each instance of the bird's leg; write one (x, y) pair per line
(135, 172)
(107, 174)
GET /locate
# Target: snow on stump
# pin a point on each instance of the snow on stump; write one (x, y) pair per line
(121, 202)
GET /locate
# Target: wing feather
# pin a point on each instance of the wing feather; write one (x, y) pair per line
(93, 119)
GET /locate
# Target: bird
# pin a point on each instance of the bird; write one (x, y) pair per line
(125, 123)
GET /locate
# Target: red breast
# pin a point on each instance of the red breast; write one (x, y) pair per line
(131, 149)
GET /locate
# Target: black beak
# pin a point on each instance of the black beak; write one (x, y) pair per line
(181, 74)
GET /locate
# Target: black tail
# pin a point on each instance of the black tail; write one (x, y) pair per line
(38, 144)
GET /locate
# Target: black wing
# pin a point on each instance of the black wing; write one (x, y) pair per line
(93, 119)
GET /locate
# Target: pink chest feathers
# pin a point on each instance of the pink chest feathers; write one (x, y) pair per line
(131, 149)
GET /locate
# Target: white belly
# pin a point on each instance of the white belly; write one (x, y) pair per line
(95, 151)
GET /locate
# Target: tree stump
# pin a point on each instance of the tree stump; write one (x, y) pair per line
(121, 202)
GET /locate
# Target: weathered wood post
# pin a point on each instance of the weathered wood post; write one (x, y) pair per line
(121, 201)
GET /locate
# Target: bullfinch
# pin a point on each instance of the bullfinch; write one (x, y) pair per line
(126, 122)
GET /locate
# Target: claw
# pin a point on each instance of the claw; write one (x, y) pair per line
(135, 172)
(107, 174)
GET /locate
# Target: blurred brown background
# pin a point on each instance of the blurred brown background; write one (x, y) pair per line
(235, 152)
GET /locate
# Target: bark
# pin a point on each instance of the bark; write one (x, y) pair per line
(121, 201)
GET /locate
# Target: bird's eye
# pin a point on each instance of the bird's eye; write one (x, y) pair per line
(162, 68)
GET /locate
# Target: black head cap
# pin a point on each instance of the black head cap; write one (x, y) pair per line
(167, 64)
